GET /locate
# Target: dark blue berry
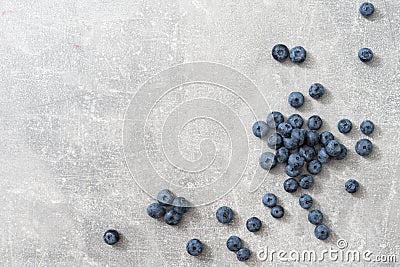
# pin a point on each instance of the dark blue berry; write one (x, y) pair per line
(260, 129)
(296, 99)
(299, 136)
(321, 232)
(280, 52)
(314, 167)
(282, 155)
(316, 90)
(269, 200)
(292, 171)
(267, 160)
(305, 201)
(333, 148)
(224, 214)
(290, 185)
(296, 161)
(194, 247)
(298, 54)
(274, 119)
(315, 217)
(290, 143)
(344, 126)
(312, 138)
(307, 152)
(367, 9)
(343, 153)
(306, 181)
(351, 186)
(165, 197)
(296, 121)
(277, 212)
(365, 54)
(181, 205)
(323, 157)
(253, 224)
(363, 147)
(243, 254)
(367, 127)
(111, 237)
(325, 137)
(234, 243)
(172, 217)
(155, 210)
(275, 141)
(314, 122)
(284, 129)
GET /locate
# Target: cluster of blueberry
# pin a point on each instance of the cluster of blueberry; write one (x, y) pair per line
(234, 244)
(269, 200)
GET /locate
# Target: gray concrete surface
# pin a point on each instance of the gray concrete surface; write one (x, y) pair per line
(69, 70)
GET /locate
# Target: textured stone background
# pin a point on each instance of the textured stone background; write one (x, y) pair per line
(70, 68)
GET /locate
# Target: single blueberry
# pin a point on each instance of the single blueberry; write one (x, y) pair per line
(172, 217)
(344, 126)
(333, 148)
(194, 247)
(224, 214)
(234, 243)
(243, 254)
(165, 197)
(260, 129)
(292, 171)
(314, 122)
(111, 237)
(155, 210)
(316, 90)
(296, 121)
(312, 138)
(305, 201)
(269, 200)
(277, 212)
(280, 52)
(181, 205)
(307, 152)
(343, 153)
(296, 99)
(363, 147)
(296, 161)
(365, 54)
(314, 166)
(282, 155)
(367, 127)
(351, 186)
(290, 185)
(274, 119)
(298, 54)
(323, 157)
(253, 224)
(325, 137)
(306, 181)
(367, 9)
(321, 232)
(275, 141)
(284, 129)
(290, 143)
(267, 160)
(315, 217)
(299, 136)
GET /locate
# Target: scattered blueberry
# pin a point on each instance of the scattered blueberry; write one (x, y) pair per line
(306, 181)
(314, 167)
(274, 119)
(165, 197)
(284, 129)
(365, 54)
(314, 122)
(290, 143)
(280, 52)
(267, 160)
(155, 210)
(298, 54)
(292, 171)
(172, 217)
(363, 147)
(269, 200)
(234, 243)
(305, 201)
(299, 136)
(275, 141)
(333, 148)
(367, 127)
(367, 9)
(312, 138)
(181, 205)
(296, 99)
(290, 185)
(323, 157)
(315, 217)
(260, 129)
(224, 214)
(343, 153)
(277, 212)
(296, 161)
(194, 247)
(307, 152)
(351, 186)
(325, 137)
(253, 224)
(243, 254)
(344, 126)
(316, 90)
(111, 237)
(296, 121)
(282, 155)
(321, 232)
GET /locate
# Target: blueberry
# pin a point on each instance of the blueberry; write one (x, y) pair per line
(325, 137)
(363, 147)
(351, 186)
(314, 122)
(292, 171)
(296, 161)
(155, 210)
(365, 54)
(277, 212)
(367, 127)
(299, 136)
(274, 119)
(194, 247)
(111, 237)
(172, 217)
(290, 185)
(314, 167)
(306, 181)
(367, 9)
(316, 90)
(280, 52)
(224, 214)
(344, 126)
(343, 153)
(282, 155)
(315, 217)
(323, 157)
(305, 201)
(267, 160)
(269, 200)
(181, 205)
(290, 143)
(298, 54)
(275, 141)
(165, 197)
(333, 148)
(253, 224)
(243, 254)
(312, 138)
(321, 232)
(307, 152)
(234, 243)
(296, 121)
(296, 99)
(260, 129)
(284, 129)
